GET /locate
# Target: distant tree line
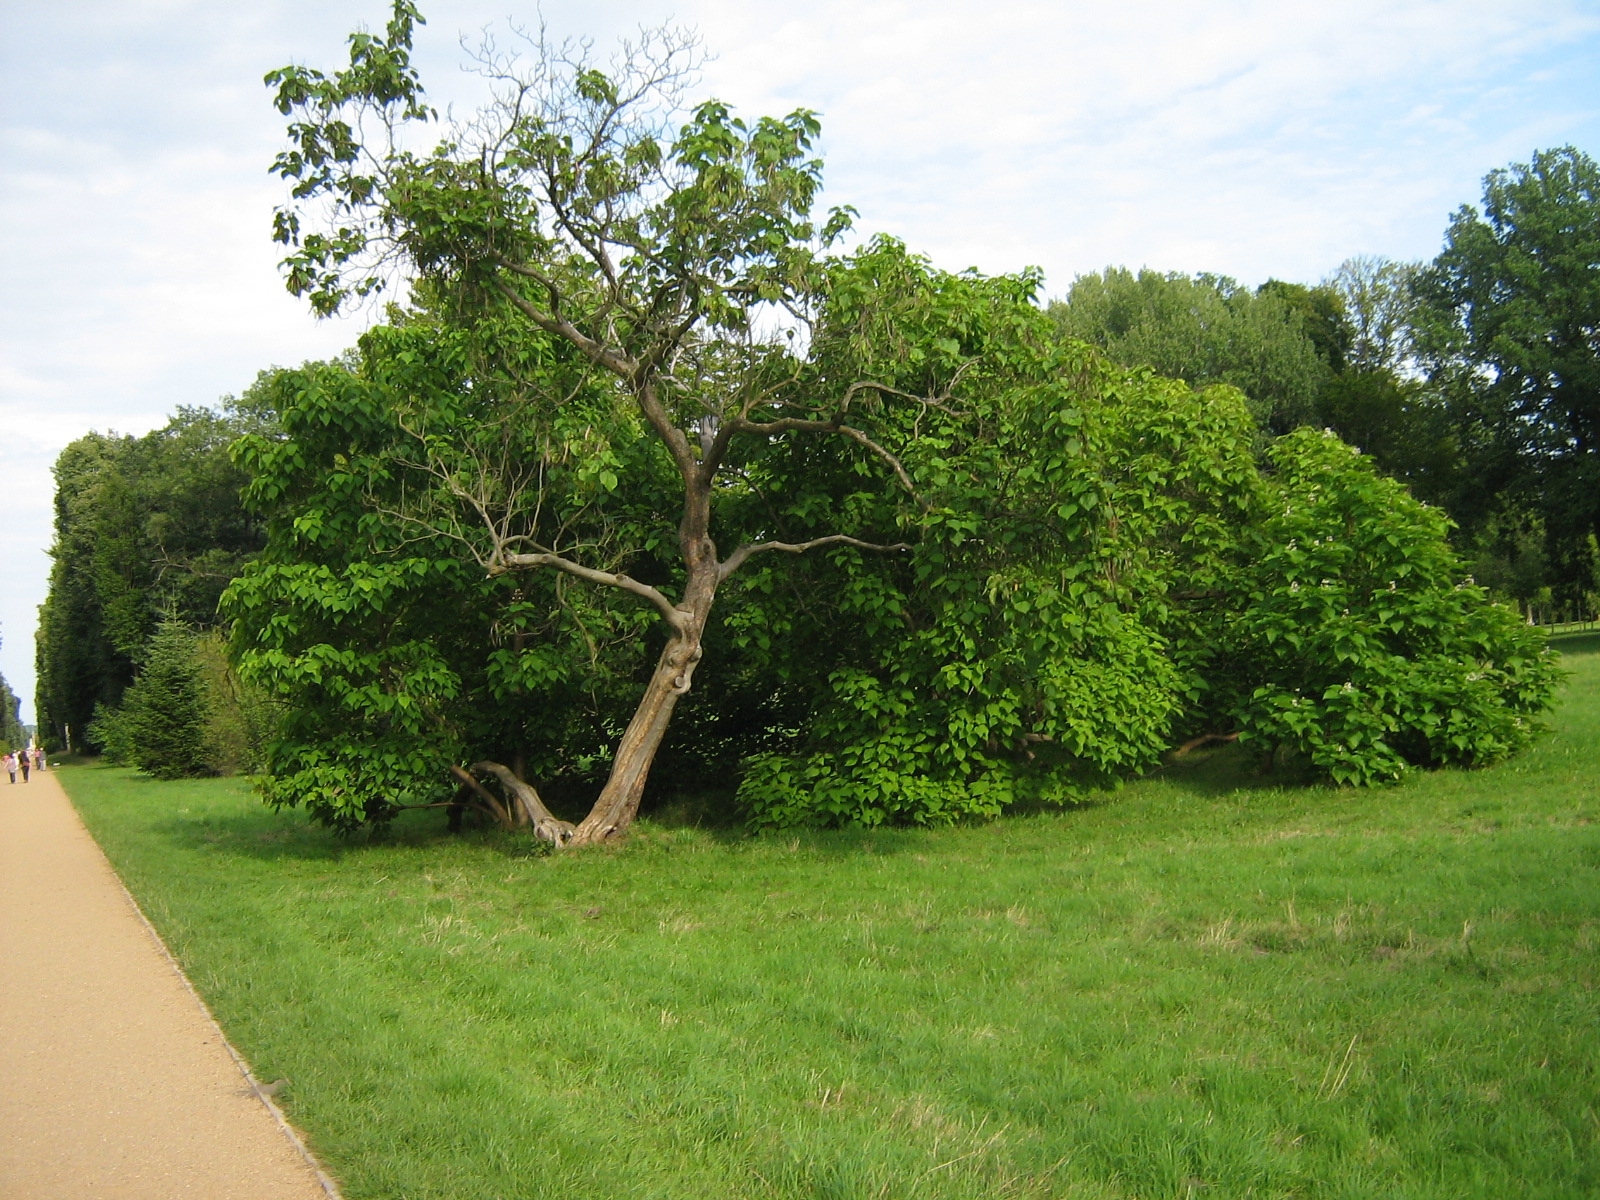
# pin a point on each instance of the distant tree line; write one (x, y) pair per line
(1473, 379)
(12, 732)
(149, 532)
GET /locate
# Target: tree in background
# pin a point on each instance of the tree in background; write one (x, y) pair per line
(144, 526)
(1207, 329)
(1377, 302)
(1509, 337)
(12, 733)
(161, 726)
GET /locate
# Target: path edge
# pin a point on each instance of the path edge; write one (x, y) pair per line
(288, 1130)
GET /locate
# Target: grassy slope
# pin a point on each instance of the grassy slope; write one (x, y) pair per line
(1198, 988)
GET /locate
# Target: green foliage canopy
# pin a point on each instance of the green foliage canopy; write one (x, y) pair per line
(1514, 307)
(144, 528)
(1208, 329)
(971, 562)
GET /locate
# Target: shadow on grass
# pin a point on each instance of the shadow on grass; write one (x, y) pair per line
(257, 832)
(273, 836)
(244, 827)
(1234, 768)
(1576, 645)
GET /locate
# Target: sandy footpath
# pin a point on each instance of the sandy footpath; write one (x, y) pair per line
(115, 1084)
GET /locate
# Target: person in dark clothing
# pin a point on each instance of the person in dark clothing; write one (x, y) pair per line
(22, 755)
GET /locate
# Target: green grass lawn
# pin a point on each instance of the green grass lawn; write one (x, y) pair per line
(1203, 987)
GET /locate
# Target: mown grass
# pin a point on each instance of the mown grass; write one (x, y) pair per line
(1205, 986)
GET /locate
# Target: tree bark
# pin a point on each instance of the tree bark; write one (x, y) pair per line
(526, 803)
(618, 802)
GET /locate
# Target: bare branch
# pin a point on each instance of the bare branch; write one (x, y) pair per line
(736, 560)
(612, 360)
(674, 615)
(894, 463)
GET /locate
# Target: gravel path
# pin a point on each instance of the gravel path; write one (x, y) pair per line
(115, 1083)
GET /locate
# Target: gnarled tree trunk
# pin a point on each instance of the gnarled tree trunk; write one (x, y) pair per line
(618, 802)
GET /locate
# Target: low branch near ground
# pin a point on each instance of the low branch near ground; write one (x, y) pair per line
(1195, 743)
(490, 800)
(545, 823)
(736, 560)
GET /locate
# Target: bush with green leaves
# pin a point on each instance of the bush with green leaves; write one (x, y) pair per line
(1097, 568)
(1031, 645)
(1360, 644)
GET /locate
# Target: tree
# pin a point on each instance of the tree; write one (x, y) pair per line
(1323, 317)
(564, 209)
(162, 722)
(1379, 303)
(79, 667)
(1402, 423)
(1206, 329)
(12, 733)
(1514, 302)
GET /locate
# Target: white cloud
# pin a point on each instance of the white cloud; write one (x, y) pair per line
(1245, 137)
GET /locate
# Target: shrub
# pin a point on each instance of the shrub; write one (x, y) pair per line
(240, 718)
(1362, 645)
(109, 732)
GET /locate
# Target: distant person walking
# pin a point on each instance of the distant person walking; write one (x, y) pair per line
(22, 758)
(11, 766)
(40, 761)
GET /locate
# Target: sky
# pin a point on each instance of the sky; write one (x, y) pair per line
(1253, 139)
